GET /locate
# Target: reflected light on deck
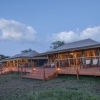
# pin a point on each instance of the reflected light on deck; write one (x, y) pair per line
(34, 69)
(58, 69)
(6, 68)
(13, 68)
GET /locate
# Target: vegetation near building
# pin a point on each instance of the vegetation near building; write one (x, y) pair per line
(57, 44)
(28, 50)
(13, 87)
(3, 57)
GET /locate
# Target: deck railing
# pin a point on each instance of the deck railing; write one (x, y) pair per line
(79, 62)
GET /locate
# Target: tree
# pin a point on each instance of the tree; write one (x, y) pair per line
(24, 51)
(56, 44)
(3, 57)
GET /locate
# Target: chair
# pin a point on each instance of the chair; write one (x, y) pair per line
(87, 63)
(99, 62)
(52, 65)
(94, 62)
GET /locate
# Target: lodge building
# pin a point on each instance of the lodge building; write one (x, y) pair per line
(76, 58)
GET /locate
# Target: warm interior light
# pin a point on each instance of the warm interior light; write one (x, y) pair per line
(71, 53)
(58, 69)
(13, 68)
(6, 68)
(34, 69)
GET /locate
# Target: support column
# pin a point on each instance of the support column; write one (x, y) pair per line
(99, 56)
(59, 60)
(68, 60)
(83, 55)
(38, 62)
(99, 52)
(56, 69)
(74, 56)
(48, 58)
(77, 70)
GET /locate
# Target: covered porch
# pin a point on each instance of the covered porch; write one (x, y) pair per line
(80, 66)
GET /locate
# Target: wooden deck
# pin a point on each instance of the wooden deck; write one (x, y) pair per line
(93, 71)
(42, 74)
(50, 73)
(23, 69)
(67, 70)
(5, 71)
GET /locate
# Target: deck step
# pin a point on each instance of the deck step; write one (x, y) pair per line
(5, 72)
(39, 75)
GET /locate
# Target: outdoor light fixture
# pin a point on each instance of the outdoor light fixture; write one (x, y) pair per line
(6, 68)
(58, 69)
(34, 69)
(13, 68)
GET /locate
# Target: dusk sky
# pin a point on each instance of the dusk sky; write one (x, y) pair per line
(36, 24)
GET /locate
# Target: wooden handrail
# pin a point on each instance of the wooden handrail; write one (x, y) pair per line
(79, 58)
(76, 64)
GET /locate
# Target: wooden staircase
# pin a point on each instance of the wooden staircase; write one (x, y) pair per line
(4, 72)
(42, 74)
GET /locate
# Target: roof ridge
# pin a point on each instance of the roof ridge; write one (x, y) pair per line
(82, 40)
(78, 43)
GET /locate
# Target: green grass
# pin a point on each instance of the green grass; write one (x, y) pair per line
(62, 95)
(13, 87)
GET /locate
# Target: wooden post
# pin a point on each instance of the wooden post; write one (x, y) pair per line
(56, 69)
(21, 70)
(83, 59)
(33, 66)
(58, 57)
(68, 59)
(99, 52)
(77, 70)
(31, 62)
(24, 66)
(99, 57)
(44, 73)
(74, 56)
(1, 68)
(18, 67)
(38, 62)
(48, 58)
(59, 62)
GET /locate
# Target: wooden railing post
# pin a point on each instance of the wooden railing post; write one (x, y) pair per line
(21, 71)
(44, 73)
(25, 69)
(56, 69)
(18, 67)
(1, 70)
(77, 70)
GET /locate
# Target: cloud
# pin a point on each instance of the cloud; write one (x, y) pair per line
(13, 30)
(93, 32)
(69, 36)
